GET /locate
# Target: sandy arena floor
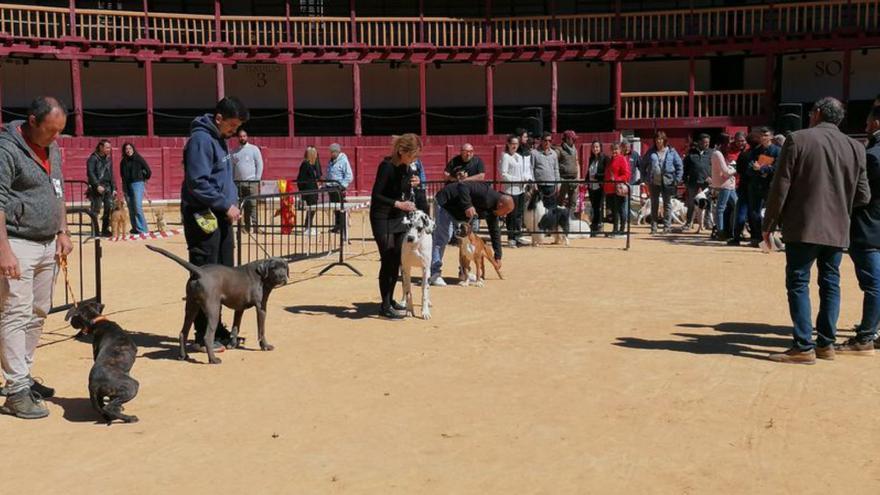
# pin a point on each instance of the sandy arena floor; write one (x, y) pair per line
(588, 370)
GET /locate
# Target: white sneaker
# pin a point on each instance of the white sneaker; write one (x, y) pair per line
(472, 277)
(524, 241)
(438, 282)
(511, 243)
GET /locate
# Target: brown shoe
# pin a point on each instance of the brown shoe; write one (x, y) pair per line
(826, 353)
(795, 356)
(855, 347)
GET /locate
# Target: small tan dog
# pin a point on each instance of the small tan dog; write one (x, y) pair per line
(119, 218)
(159, 215)
(472, 249)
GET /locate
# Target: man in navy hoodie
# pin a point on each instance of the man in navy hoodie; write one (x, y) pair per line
(209, 198)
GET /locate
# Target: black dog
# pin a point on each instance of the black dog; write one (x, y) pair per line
(551, 220)
(237, 288)
(114, 352)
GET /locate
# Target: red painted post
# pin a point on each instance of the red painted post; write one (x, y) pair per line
(290, 99)
(421, 21)
(554, 95)
(490, 99)
(146, 33)
(217, 24)
(76, 87)
(691, 86)
(847, 68)
(73, 18)
(423, 99)
(617, 76)
(356, 90)
(221, 86)
(354, 34)
(148, 75)
(489, 21)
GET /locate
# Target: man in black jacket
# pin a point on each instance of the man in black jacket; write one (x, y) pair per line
(466, 201)
(864, 248)
(697, 173)
(99, 169)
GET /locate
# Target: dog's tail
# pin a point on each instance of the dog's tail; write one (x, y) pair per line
(180, 261)
(490, 255)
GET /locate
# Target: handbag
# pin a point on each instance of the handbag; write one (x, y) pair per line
(621, 189)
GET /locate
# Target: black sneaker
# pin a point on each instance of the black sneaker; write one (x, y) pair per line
(25, 404)
(44, 391)
(398, 306)
(733, 242)
(856, 346)
(391, 314)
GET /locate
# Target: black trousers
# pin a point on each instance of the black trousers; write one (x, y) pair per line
(97, 201)
(389, 244)
(515, 217)
(597, 198)
(548, 193)
(216, 248)
(619, 212)
(339, 216)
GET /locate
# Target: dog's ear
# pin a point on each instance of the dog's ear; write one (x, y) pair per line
(100, 307)
(70, 313)
(429, 225)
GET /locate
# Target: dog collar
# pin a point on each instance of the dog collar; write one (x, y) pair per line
(98, 319)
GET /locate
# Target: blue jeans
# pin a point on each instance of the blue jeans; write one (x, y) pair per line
(799, 258)
(135, 198)
(443, 231)
(741, 214)
(725, 198)
(867, 264)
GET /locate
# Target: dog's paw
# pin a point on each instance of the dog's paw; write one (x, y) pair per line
(479, 283)
(132, 419)
(265, 346)
(214, 360)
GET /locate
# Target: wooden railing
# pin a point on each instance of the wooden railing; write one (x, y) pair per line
(113, 26)
(182, 29)
(110, 26)
(21, 21)
(448, 32)
(675, 104)
(737, 103)
(656, 105)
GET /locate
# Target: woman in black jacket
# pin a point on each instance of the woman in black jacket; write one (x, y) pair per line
(594, 175)
(390, 202)
(135, 172)
(307, 180)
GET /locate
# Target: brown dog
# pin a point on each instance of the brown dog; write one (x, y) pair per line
(472, 249)
(119, 218)
(161, 225)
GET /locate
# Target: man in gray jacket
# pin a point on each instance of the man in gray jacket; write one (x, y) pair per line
(247, 163)
(545, 170)
(820, 176)
(33, 236)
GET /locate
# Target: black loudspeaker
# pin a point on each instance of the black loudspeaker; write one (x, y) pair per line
(789, 117)
(532, 120)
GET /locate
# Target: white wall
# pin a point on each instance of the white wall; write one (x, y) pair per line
(522, 84)
(184, 86)
(323, 86)
(457, 85)
(664, 75)
(582, 85)
(384, 87)
(812, 76)
(21, 83)
(865, 82)
(258, 85)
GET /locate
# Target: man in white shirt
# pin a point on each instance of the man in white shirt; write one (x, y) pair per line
(247, 164)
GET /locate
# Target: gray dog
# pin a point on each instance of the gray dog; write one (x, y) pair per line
(236, 288)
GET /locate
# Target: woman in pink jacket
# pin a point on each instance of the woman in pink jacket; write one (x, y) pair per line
(617, 176)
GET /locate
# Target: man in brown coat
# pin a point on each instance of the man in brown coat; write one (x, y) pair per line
(820, 177)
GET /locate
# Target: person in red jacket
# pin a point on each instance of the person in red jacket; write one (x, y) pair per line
(617, 176)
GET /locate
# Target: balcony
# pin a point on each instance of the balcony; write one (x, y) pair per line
(42, 24)
(677, 108)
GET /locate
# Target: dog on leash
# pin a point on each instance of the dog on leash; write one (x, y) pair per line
(239, 288)
(472, 249)
(159, 215)
(118, 218)
(416, 253)
(679, 212)
(114, 352)
(703, 211)
(537, 218)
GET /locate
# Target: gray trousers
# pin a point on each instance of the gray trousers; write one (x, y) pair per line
(245, 189)
(24, 305)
